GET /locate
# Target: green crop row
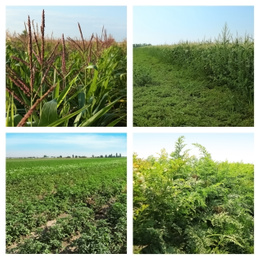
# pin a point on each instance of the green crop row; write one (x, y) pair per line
(66, 205)
(184, 204)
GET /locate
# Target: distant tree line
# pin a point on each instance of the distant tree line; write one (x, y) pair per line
(141, 44)
(117, 155)
(83, 156)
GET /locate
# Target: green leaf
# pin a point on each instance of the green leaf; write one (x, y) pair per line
(81, 99)
(66, 91)
(56, 90)
(113, 123)
(64, 112)
(93, 85)
(77, 119)
(101, 103)
(63, 119)
(100, 113)
(55, 93)
(17, 118)
(49, 113)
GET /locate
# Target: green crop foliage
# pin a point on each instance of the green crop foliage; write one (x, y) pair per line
(188, 205)
(195, 84)
(65, 82)
(66, 206)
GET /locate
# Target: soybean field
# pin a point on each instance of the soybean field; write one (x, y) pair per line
(70, 206)
(195, 84)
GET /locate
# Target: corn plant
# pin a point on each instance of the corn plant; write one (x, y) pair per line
(65, 82)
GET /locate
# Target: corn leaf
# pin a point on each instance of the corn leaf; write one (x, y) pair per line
(64, 119)
(100, 113)
(49, 113)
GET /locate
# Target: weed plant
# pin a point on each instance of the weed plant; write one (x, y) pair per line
(192, 205)
(190, 74)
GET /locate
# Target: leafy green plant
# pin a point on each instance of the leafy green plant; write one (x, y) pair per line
(184, 204)
(142, 77)
(208, 83)
(78, 207)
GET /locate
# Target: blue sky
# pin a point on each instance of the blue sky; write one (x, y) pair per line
(56, 144)
(64, 19)
(172, 24)
(234, 147)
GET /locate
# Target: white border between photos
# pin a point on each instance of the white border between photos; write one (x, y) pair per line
(129, 129)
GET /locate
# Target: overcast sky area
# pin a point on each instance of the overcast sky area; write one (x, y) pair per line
(234, 147)
(173, 24)
(64, 20)
(56, 144)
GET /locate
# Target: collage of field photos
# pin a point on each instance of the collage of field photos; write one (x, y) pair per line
(129, 129)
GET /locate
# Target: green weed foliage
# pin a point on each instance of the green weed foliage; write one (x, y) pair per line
(70, 206)
(189, 205)
(229, 64)
(213, 80)
(142, 77)
(65, 82)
